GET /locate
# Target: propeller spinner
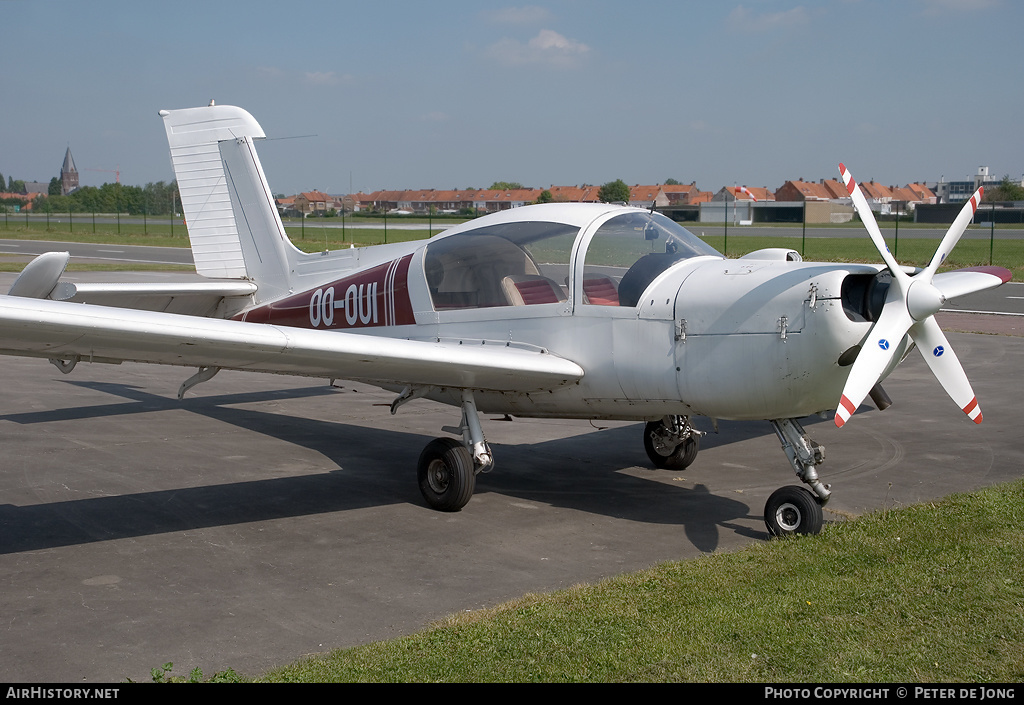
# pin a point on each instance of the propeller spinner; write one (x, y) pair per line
(910, 307)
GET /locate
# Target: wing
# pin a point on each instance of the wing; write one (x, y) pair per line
(70, 331)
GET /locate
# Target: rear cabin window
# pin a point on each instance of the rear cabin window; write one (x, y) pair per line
(511, 264)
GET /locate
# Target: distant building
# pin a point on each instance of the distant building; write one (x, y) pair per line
(312, 202)
(800, 190)
(744, 193)
(34, 188)
(68, 174)
(960, 191)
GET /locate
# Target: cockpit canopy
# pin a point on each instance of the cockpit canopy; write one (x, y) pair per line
(529, 262)
(629, 251)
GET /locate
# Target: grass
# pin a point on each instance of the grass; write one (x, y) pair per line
(930, 593)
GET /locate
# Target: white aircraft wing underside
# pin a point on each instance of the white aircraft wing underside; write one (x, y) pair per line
(63, 330)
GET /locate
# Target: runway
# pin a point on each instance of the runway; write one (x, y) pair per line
(264, 518)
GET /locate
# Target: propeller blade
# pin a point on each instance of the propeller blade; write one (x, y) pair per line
(952, 236)
(868, 219)
(945, 365)
(875, 355)
(971, 280)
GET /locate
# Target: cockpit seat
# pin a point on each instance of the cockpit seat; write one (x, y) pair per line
(600, 290)
(530, 289)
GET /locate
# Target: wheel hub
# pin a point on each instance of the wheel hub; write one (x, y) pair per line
(662, 444)
(788, 517)
(438, 476)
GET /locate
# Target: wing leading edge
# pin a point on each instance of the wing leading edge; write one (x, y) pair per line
(61, 330)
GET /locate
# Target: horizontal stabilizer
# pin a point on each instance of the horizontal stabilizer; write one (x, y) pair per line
(197, 298)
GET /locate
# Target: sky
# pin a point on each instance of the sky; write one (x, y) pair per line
(360, 96)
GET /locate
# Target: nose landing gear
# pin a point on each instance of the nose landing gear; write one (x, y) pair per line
(792, 509)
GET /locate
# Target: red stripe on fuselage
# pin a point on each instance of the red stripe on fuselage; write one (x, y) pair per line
(378, 296)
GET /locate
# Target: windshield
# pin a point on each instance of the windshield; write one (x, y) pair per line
(629, 251)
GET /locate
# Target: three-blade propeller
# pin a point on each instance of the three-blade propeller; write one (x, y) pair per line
(910, 306)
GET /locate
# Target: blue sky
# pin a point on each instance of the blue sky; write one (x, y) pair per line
(451, 94)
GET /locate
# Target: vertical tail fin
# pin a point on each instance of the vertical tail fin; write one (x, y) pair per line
(233, 224)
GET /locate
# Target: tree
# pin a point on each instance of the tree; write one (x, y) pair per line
(506, 186)
(1007, 190)
(672, 182)
(545, 197)
(55, 187)
(614, 192)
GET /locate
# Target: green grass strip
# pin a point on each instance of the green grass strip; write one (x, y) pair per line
(930, 593)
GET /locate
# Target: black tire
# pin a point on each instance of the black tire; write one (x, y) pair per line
(445, 473)
(793, 510)
(682, 456)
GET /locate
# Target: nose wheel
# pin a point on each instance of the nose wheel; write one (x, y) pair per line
(793, 510)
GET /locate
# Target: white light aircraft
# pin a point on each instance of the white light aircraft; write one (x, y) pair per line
(588, 311)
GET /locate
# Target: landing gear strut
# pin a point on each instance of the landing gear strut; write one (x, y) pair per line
(447, 468)
(797, 510)
(672, 442)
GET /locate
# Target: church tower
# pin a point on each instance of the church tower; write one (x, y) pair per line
(68, 174)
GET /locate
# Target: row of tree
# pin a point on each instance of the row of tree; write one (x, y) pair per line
(158, 198)
(12, 185)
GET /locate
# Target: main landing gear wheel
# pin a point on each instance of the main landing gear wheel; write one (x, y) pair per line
(446, 475)
(793, 510)
(663, 453)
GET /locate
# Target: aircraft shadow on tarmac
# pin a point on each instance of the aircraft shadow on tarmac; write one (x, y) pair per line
(375, 468)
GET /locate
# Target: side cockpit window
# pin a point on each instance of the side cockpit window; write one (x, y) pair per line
(629, 251)
(511, 264)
